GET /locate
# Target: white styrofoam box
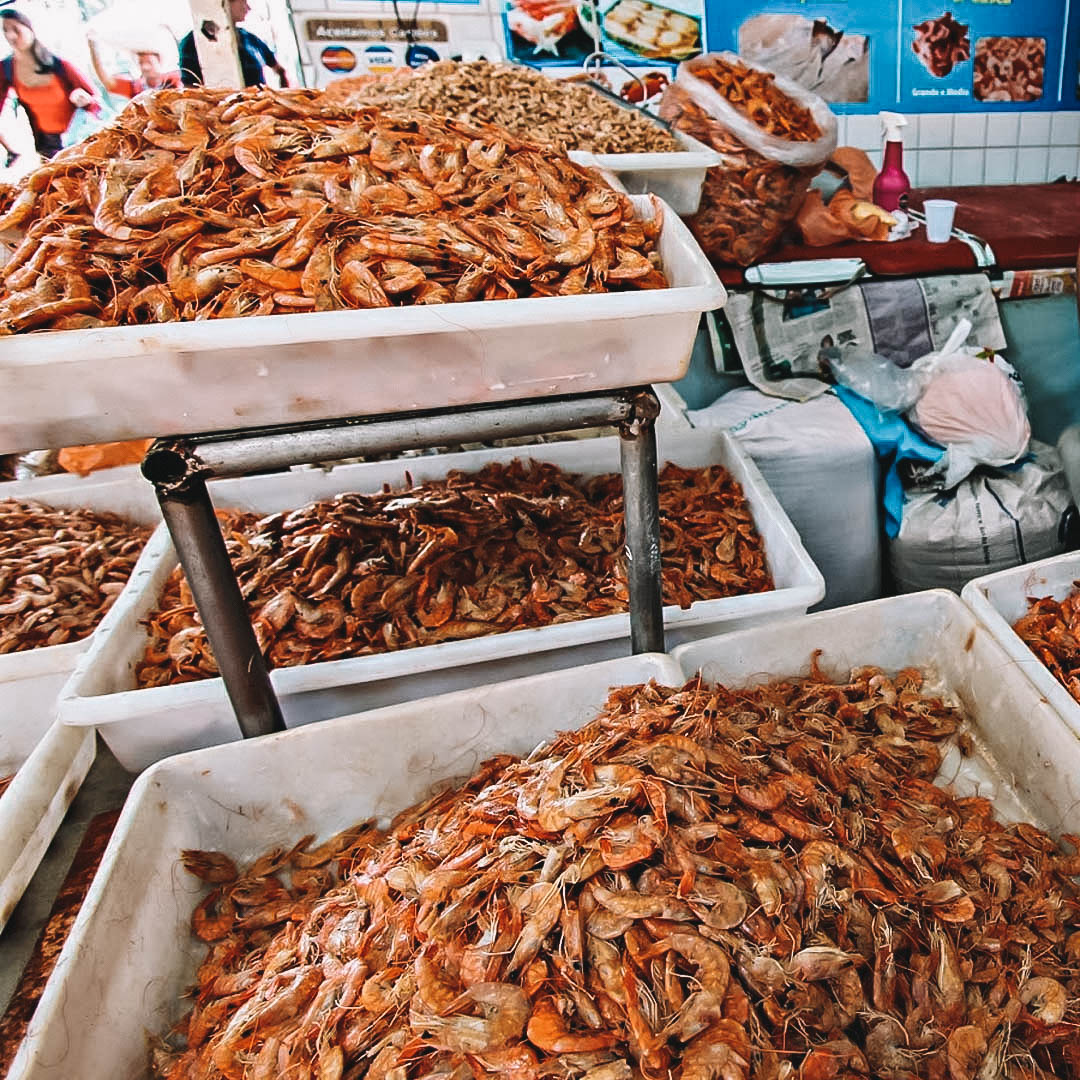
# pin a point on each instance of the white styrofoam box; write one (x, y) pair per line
(50, 761)
(820, 465)
(1027, 761)
(126, 382)
(143, 725)
(130, 954)
(998, 600)
(672, 419)
(676, 177)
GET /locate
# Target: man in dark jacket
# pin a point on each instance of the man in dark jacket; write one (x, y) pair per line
(255, 54)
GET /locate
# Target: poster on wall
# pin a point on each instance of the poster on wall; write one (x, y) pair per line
(918, 55)
(638, 33)
(962, 55)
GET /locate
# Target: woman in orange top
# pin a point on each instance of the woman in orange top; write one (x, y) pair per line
(49, 89)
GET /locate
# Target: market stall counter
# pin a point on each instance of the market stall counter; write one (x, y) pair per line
(1026, 226)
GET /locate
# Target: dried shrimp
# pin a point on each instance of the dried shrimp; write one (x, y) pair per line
(561, 114)
(202, 204)
(510, 547)
(700, 883)
(748, 201)
(1051, 630)
(60, 571)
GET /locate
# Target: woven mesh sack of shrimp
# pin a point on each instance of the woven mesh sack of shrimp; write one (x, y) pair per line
(774, 136)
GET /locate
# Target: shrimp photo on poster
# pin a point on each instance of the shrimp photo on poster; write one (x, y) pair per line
(1009, 68)
(941, 44)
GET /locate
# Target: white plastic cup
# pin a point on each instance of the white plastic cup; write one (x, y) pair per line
(939, 219)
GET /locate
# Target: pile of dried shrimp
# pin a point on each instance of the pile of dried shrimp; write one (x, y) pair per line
(700, 883)
(509, 547)
(202, 204)
(1051, 630)
(755, 94)
(748, 201)
(60, 571)
(561, 114)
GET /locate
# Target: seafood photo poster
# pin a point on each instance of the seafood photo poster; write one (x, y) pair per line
(918, 55)
(641, 34)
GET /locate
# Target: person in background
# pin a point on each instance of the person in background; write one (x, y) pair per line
(50, 89)
(152, 74)
(255, 54)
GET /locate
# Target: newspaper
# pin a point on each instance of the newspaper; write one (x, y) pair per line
(787, 345)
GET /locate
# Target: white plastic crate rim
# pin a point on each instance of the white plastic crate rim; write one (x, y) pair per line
(998, 600)
(677, 177)
(50, 761)
(130, 954)
(144, 725)
(83, 386)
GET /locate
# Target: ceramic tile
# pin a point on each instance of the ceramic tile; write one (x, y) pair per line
(1000, 166)
(1031, 165)
(1002, 129)
(1035, 129)
(1061, 162)
(968, 166)
(970, 130)
(1065, 129)
(935, 132)
(935, 168)
(864, 132)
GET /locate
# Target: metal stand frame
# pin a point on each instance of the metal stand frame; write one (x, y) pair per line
(179, 469)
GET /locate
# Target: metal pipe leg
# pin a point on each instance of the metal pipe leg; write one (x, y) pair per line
(189, 515)
(642, 509)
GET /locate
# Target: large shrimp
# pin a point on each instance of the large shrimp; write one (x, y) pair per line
(548, 1031)
(506, 1011)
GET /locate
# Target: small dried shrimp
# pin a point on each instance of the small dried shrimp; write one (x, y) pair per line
(510, 547)
(206, 204)
(1051, 630)
(701, 883)
(60, 571)
(561, 114)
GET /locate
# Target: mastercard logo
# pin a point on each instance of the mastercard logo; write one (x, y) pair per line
(338, 58)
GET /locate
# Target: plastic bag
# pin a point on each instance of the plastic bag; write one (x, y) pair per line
(890, 387)
(973, 408)
(991, 521)
(750, 199)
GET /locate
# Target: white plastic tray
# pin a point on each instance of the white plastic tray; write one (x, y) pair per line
(677, 177)
(130, 953)
(1027, 762)
(82, 386)
(144, 725)
(998, 600)
(49, 760)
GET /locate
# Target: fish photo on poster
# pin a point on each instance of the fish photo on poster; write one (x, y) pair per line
(1009, 68)
(941, 44)
(824, 59)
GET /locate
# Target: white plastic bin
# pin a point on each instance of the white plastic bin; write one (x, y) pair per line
(50, 761)
(998, 600)
(1026, 761)
(144, 725)
(126, 382)
(130, 954)
(677, 177)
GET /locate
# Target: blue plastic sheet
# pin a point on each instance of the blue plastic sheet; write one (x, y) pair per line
(895, 441)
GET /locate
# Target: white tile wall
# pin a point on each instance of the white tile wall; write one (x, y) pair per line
(977, 148)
